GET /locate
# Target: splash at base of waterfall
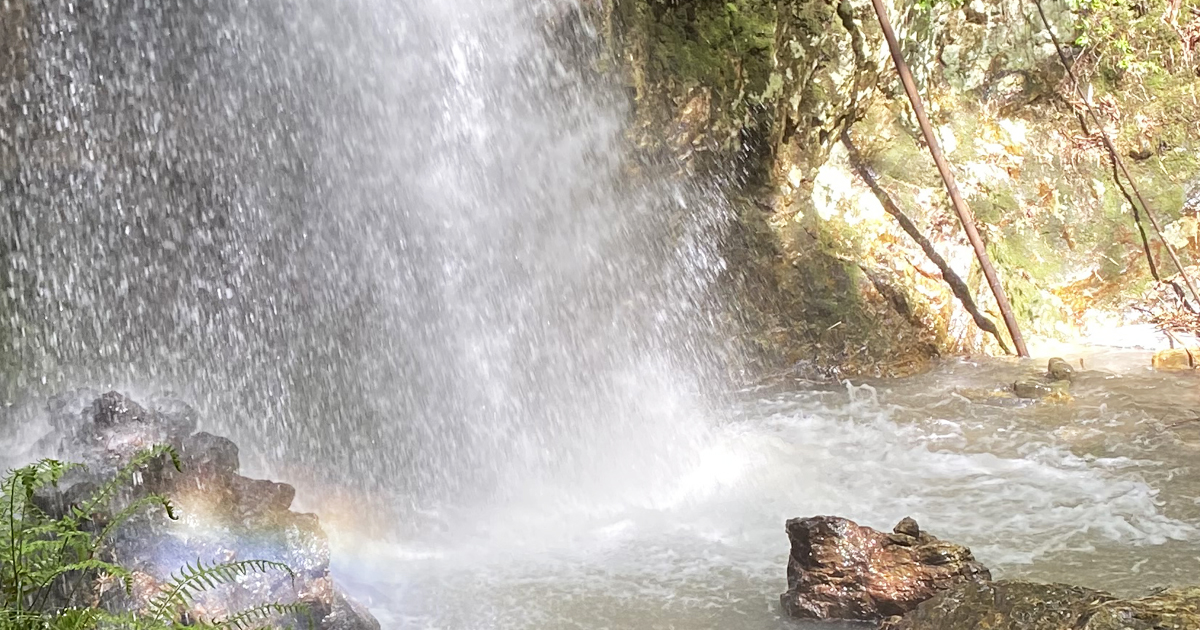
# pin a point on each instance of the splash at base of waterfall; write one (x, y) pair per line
(1092, 492)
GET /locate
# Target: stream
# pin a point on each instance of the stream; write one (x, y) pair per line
(1100, 491)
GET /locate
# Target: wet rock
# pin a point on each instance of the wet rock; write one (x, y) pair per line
(908, 526)
(838, 569)
(105, 430)
(348, 614)
(1059, 370)
(1020, 605)
(1032, 389)
(225, 516)
(1014, 605)
(258, 496)
(1175, 609)
(1042, 387)
(210, 455)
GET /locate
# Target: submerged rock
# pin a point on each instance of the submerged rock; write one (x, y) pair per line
(1032, 389)
(1054, 384)
(1058, 369)
(838, 569)
(1020, 605)
(224, 516)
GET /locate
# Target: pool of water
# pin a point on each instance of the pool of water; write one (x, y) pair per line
(1100, 490)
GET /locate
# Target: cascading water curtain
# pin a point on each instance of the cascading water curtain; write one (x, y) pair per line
(396, 241)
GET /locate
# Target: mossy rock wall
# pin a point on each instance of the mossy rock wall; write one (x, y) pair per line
(763, 91)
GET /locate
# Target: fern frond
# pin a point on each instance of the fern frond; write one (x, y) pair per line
(23, 483)
(55, 544)
(45, 472)
(131, 509)
(190, 580)
(126, 473)
(247, 619)
(100, 566)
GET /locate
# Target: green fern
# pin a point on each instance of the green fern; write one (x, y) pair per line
(251, 617)
(191, 580)
(41, 554)
(125, 476)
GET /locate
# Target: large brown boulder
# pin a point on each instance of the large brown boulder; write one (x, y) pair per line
(839, 569)
(1020, 605)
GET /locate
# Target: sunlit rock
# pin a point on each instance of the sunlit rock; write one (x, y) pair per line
(1176, 359)
(838, 569)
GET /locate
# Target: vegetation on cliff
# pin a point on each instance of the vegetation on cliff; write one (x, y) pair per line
(763, 90)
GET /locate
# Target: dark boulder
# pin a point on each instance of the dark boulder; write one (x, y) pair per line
(225, 516)
(838, 569)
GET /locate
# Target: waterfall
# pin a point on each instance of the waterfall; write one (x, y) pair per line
(400, 245)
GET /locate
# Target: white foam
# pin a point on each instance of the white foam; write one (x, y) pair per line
(705, 547)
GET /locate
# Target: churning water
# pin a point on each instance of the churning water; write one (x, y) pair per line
(394, 250)
(1100, 491)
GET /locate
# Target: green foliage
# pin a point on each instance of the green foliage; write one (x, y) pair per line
(49, 562)
(1128, 37)
(191, 580)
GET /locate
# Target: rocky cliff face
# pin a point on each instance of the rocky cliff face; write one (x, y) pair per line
(757, 94)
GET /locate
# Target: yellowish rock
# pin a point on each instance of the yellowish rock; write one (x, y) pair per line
(1176, 359)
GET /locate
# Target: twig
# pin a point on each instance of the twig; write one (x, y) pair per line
(957, 286)
(964, 212)
(1176, 425)
(1112, 150)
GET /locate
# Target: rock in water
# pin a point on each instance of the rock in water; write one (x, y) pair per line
(1019, 605)
(1058, 369)
(1175, 609)
(841, 570)
(1176, 359)
(226, 516)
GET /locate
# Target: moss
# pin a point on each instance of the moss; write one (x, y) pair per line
(1028, 266)
(725, 46)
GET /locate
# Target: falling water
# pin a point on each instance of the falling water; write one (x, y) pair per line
(394, 240)
(401, 253)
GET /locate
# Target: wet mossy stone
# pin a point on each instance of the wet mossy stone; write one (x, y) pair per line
(1033, 389)
(1020, 605)
(1059, 370)
(1004, 605)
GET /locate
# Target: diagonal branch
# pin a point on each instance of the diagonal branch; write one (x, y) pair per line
(957, 286)
(960, 205)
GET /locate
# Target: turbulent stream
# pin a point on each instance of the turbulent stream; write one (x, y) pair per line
(1100, 491)
(400, 252)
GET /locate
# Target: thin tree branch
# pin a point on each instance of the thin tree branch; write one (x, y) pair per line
(960, 205)
(957, 286)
